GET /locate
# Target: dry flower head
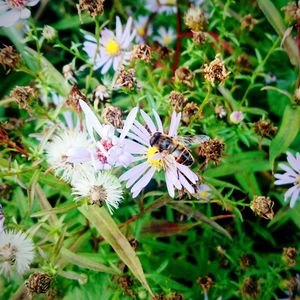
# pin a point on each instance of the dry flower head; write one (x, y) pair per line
(112, 115)
(38, 283)
(265, 128)
(212, 150)
(248, 22)
(127, 79)
(195, 19)
(93, 7)
(289, 256)
(177, 100)
(9, 58)
(205, 283)
(185, 76)
(23, 96)
(263, 207)
(141, 52)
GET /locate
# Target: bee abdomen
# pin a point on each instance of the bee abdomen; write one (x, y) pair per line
(184, 157)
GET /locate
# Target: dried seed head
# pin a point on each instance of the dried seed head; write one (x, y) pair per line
(38, 283)
(127, 79)
(291, 11)
(212, 150)
(69, 74)
(177, 100)
(23, 96)
(250, 288)
(113, 115)
(289, 256)
(9, 58)
(236, 117)
(215, 71)
(195, 19)
(205, 283)
(73, 98)
(291, 284)
(247, 260)
(243, 61)
(248, 22)
(93, 7)
(297, 96)
(142, 52)
(199, 37)
(189, 111)
(97, 195)
(126, 283)
(220, 112)
(185, 76)
(265, 128)
(263, 207)
(175, 296)
(49, 33)
(101, 94)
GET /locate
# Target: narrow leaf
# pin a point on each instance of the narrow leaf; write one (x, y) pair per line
(106, 226)
(84, 262)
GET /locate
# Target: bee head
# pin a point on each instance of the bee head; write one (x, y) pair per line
(155, 138)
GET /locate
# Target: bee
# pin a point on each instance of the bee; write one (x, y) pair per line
(177, 146)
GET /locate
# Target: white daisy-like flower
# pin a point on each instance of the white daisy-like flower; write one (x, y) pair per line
(11, 11)
(101, 187)
(2, 219)
(203, 191)
(113, 49)
(140, 26)
(291, 176)
(177, 175)
(109, 145)
(166, 36)
(162, 6)
(16, 252)
(69, 153)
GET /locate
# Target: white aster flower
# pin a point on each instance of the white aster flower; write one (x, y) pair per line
(16, 252)
(203, 191)
(113, 49)
(69, 153)
(291, 176)
(100, 188)
(177, 175)
(2, 219)
(140, 26)
(109, 148)
(166, 36)
(162, 6)
(11, 11)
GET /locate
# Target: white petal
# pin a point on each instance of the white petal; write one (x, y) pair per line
(287, 180)
(186, 184)
(135, 171)
(144, 134)
(117, 62)
(9, 18)
(128, 122)
(158, 121)
(106, 67)
(137, 138)
(134, 148)
(187, 172)
(25, 13)
(292, 161)
(170, 186)
(126, 32)
(149, 122)
(295, 197)
(287, 169)
(143, 182)
(118, 29)
(32, 2)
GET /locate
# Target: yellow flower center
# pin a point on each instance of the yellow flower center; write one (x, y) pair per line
(171, 2)
(141, 31)
(157, 163)
(297, 180)
(113, 47)
(167, 40)
(203, 194)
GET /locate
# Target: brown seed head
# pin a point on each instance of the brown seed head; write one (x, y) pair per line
(184, 75)
(289, 256)
(126, 283)
(247, 260)
(159, 297)
(220, 112)
(73, 98)
(205, 283)
(263, 207)
(195, 19)
(243, 61)
(189, 111)
(23, 96)
(127, 79)
(9, 58)
(291, 11)
(250, 288)
(215, 71)
(113, 115)
(142, 52)
(212, 150)
(265, 128)
(38, 283)
(93, 7)
(177, 100)
(199, 37)
(248, 22)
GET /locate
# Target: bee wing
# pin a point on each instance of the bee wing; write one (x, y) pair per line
(189, 140)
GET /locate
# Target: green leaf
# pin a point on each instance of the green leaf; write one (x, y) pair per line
(84, 262)
(288, 130)
(106, 226)
(274, 18)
